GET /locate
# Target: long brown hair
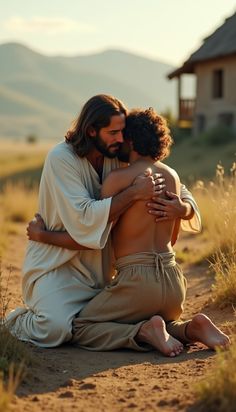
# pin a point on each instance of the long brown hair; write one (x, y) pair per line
(95, 113)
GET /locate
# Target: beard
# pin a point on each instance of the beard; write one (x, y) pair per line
(104, 149)
(122, 151)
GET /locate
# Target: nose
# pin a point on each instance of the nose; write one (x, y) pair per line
(119, 137)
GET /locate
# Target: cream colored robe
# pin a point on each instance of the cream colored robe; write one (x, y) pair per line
(57, 283)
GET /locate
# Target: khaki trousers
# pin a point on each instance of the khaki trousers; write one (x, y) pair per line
(146, 284)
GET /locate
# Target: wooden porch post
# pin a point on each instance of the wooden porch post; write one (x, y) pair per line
(179, 97)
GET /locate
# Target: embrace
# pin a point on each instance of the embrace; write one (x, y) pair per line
(100, 270)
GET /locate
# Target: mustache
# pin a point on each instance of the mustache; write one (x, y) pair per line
(115, 145)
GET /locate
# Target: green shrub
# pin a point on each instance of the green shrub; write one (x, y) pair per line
(217, 136)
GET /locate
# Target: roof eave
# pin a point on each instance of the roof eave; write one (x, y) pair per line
(188, 66)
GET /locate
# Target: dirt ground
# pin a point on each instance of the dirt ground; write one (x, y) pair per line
(67, 379)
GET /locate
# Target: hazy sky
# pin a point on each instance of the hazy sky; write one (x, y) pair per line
(167, 30)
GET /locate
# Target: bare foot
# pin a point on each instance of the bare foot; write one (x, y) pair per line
(154, 332)
(201, 329)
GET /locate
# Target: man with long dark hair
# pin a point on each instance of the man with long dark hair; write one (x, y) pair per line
(61, 278)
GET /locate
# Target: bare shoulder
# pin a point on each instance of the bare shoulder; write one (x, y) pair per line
(172, 179)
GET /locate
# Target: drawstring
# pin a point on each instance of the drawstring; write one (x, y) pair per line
(159, 260)
(159, 266)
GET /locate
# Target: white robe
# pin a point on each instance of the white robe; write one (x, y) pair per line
(57, 283)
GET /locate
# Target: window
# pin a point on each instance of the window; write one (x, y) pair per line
(227, 119)
(218, 76)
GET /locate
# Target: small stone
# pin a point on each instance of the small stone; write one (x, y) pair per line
(88, 386)
(67, 394)
(156, 388)
(132, 405)
(162, 402)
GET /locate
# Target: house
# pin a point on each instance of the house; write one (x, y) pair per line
(214, 65)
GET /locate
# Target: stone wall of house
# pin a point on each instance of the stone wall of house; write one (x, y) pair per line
(211, 111)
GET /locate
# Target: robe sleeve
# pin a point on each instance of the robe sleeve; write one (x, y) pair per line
(194, 224)
(83, 217)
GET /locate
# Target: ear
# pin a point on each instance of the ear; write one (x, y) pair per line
(91, 131)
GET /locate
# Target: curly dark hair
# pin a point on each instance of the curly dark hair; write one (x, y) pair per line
(96, 113)
(149, 133)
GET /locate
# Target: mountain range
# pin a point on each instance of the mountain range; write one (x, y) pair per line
(42, 94)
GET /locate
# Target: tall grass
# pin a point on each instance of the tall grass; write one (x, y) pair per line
(217, 392)
(217, 202)
(14, 355)
(8, 389)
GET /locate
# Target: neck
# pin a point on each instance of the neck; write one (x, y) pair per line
(96, 159)
(135, 157)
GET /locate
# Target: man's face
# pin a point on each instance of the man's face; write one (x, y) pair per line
(109, 139)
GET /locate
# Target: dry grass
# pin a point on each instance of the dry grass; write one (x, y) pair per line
(14, 355)
(18, 203)
(7, 390)
(224, 289)
(218, 206)
(217, 392)
(217, 202)
(20, 156)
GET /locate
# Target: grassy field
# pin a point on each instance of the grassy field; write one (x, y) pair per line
(194, 160)
(21, 162)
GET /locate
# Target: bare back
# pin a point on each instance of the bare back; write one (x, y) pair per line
(136, 230)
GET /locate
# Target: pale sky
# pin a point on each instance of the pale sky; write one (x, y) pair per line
(165, 30)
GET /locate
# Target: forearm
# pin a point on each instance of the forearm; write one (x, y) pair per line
(188, 210)
(60, 239)
(121, 202)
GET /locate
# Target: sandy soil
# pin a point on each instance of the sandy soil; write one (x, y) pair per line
(71, 379)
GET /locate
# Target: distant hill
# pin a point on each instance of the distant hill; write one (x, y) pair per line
(42, 95)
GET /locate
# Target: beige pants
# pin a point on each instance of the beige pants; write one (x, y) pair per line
(146, 284)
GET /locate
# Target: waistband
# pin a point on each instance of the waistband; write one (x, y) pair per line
(166, 259)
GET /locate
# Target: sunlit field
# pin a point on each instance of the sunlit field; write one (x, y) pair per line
(21, 166)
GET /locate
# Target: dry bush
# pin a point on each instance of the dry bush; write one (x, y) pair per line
(217, 392)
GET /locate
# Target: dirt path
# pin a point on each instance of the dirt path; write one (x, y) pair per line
(69, 379)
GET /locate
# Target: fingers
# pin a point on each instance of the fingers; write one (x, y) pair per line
(148, 172)
(158, 190)
(161, 214)
(160, 201)
(159, 184)
(158, 176)
(157, 206)
(171, 195)
(38, 216)
(161, 219)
